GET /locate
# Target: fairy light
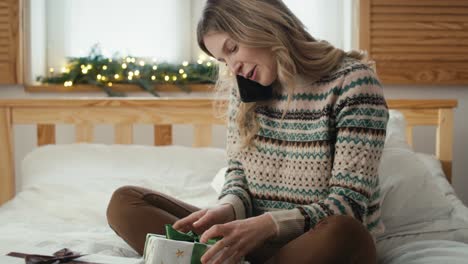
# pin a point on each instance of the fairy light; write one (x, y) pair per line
(82, 66)
(68, 83)
(130, 74)
(181, 71)
(153, 77)
(142, 63)
(208, 64)
(104, 67)
(104, 78)
(109, 84)
(110, 60)
(51, 70)
(200, 61)
(166, 78)
(184, 76)
(129, 59)
(99, 77)
(185, 63)
(174, 78)
(124, 66)
(130, 78)
(133, 60)
(84, 70)
(155, 67)
(116, 76)
(65, 70)
(89, 66)
(137, 73)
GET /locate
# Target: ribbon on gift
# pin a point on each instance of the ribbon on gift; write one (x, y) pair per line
(62, 256)
(198, 248)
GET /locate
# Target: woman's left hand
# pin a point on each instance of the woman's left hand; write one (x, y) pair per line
(238, 238)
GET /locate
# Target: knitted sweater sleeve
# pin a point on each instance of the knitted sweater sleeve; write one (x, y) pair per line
(235, 189)
(361, 117)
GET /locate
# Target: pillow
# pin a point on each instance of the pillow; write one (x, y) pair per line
(396, 131)
(80, 178)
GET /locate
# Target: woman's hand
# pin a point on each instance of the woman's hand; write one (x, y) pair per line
(201, 220)
(239, 238)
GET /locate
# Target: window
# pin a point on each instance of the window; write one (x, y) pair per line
(158, 29)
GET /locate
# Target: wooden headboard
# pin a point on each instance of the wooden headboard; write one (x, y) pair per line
(86, 113)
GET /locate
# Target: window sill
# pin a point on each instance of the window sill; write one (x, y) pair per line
(54, 88)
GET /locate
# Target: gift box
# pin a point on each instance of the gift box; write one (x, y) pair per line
(175, 248)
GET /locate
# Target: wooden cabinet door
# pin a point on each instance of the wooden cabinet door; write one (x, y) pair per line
(416, 41)
(10, 46)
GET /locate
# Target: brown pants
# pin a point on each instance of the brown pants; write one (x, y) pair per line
(134, 211)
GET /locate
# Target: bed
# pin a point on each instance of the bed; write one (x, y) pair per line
(65, 188)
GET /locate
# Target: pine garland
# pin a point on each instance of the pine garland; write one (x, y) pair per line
(95, 69)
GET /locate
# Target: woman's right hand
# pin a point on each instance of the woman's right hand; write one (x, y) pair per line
(202, 220)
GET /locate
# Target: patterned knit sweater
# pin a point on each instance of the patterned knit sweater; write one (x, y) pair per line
(321, 161)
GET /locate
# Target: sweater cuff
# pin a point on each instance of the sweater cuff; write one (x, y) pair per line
(289, 224)
(236, 203)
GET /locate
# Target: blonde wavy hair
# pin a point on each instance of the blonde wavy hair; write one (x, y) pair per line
(267, 24)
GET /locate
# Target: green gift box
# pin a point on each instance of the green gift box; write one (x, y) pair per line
(175, 247)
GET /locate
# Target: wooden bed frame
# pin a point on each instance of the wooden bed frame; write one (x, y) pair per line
(85, 113)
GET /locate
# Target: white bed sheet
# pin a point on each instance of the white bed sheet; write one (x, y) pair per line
(428, 252)
(67, 188)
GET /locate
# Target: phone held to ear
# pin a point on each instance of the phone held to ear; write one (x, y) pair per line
(251, 91)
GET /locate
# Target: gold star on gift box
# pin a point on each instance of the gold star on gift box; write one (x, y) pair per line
(179, 253)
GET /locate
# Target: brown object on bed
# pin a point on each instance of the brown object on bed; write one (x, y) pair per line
(85, 113)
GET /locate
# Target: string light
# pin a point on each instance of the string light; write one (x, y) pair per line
(104, 78)
(155, 67)
(104, 67)
(130, 73)
(124, 66)
(130, 78)
(68, 84)
(166, 78)
(109, 84)
(208, 64)
(129, 59)
(65, 70)
(153, 77)
(116, 76)
(133, 60)
(82, 66)
(185, 63)
(99, 77)
(184, 76)
(199, 61)
(110, 60)
(142, 63)
(181, 71)
(51, 70)
(89, 66)
(137, 73)
(84, 70)
(174, 78)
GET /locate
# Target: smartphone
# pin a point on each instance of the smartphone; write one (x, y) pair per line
(251, 91)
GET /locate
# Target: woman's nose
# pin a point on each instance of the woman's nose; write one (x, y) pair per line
(236, 67)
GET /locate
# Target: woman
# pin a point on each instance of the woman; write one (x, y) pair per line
(302, 183)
